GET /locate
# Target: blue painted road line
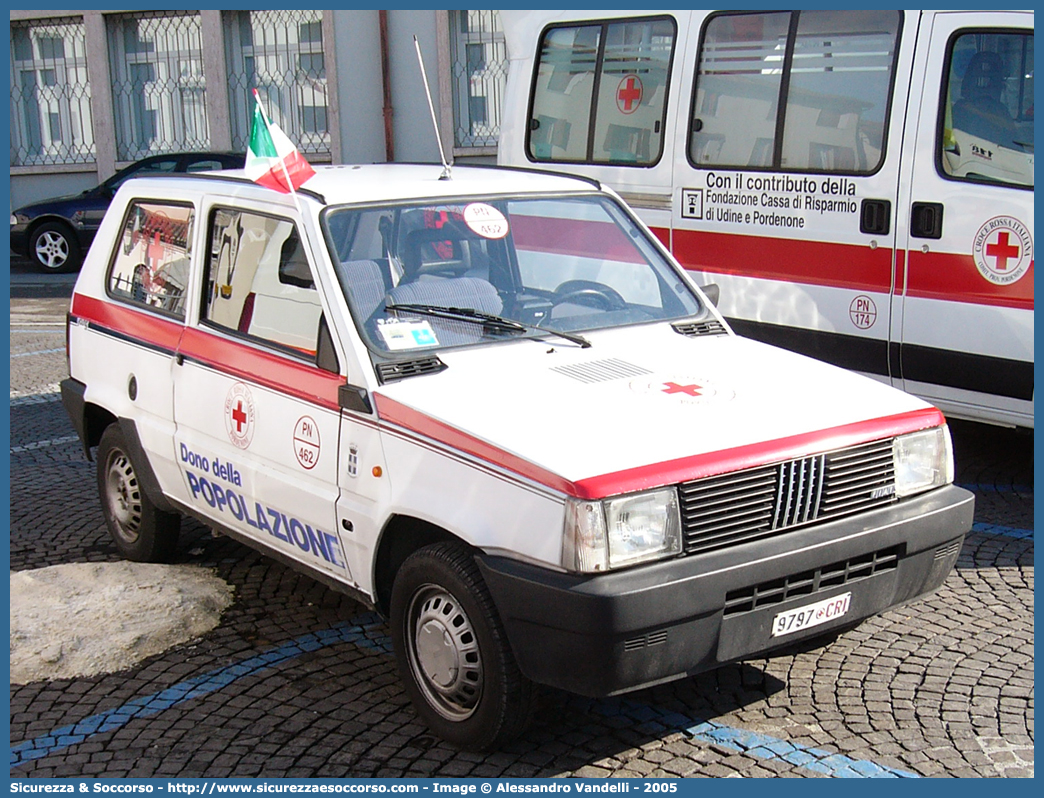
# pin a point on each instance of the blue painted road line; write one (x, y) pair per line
(359, 631)
(761, 746)
(362, 631)
(1006, 531)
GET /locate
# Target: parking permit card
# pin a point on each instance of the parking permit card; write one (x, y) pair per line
(406, 334)
(485, 220)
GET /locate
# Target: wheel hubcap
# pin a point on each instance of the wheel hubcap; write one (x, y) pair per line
(444, 654)
(52, 250)
(124, 496)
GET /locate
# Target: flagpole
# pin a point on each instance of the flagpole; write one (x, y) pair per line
(286, 174)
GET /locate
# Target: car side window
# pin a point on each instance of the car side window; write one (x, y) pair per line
(147, 169)
(987, 115)
(806, 90)
(600, 92)
(259, 282)
(204, 165)
(150, 266)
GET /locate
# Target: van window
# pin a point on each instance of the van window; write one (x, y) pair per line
(151, 264)
(600, 92)
(806, 91)
(987, 118)
(259, 282)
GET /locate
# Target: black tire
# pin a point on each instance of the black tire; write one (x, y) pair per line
(452, 651)
(53, 249)
(141, 532)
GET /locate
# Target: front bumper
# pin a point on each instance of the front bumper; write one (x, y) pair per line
(610, 633)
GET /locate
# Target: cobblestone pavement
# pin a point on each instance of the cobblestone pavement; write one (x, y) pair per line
(298, 680)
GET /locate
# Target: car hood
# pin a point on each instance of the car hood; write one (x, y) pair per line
(642, 407)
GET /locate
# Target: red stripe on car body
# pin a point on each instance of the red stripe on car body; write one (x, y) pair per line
(658, 474)
(240, 360)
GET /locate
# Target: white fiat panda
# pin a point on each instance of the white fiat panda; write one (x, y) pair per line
(494, 408)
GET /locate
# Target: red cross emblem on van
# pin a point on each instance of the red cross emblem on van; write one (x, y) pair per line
(629, 94)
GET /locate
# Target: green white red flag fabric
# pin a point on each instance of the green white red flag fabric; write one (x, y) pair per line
(272, 159)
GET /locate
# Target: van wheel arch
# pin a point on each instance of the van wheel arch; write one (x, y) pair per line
(402, 535)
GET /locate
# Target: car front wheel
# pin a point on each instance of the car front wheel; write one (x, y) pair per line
(54, 249)
(453, 653)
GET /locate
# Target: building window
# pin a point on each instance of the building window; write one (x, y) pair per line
(479, 68)
(280, 53)
(158, 88)
(50, 94)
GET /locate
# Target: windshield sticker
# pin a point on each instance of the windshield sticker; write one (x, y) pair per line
(485, 220)
(406, 334)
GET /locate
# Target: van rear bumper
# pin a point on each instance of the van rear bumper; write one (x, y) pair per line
(610, 633)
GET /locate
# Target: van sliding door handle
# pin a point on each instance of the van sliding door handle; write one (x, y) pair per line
(875, 217)
(926, 220)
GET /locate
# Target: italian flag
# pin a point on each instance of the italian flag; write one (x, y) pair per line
(272, 159)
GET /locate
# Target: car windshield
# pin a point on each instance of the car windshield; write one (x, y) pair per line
(531, 266)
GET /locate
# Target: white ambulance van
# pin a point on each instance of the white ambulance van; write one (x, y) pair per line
(859, 184)
(494, 408)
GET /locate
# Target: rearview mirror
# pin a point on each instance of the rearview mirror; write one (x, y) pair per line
(712, 292)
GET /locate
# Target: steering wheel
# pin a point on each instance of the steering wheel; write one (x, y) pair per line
(588, 293)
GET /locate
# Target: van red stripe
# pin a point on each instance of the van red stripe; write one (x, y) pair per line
(935, 275)
(941, 275)
(787, 259)
(577, 237)
(658, 474)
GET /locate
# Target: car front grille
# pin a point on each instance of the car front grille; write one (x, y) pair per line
(729, 509)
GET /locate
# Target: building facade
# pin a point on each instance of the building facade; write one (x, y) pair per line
(93, 91)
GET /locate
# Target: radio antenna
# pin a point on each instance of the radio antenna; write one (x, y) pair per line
(431, 107)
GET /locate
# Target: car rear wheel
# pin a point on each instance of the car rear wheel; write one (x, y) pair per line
(141, 532)
(54, 249)
(453, 653)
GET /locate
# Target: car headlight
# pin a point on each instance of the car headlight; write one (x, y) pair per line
(922, 460)
(613, 533)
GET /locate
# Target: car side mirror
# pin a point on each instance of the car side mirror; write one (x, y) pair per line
(712, 292)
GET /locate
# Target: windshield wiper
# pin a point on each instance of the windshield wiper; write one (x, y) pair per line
(489, 321)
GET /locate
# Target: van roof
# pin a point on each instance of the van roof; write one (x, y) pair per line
(359, 183)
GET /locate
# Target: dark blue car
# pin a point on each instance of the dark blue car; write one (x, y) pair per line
(55, 233)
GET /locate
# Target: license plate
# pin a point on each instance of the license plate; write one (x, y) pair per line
(810, 615)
